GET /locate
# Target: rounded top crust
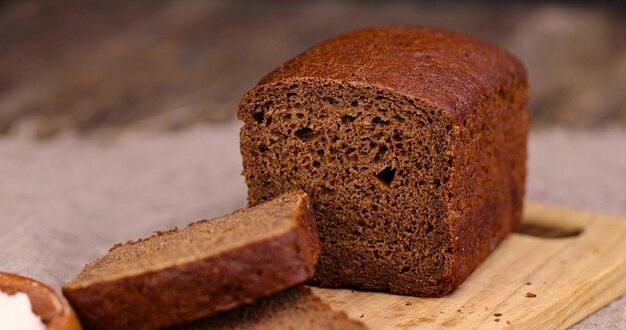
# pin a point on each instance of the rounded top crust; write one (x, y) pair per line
(452, 71)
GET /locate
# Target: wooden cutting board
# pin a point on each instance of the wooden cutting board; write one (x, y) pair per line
(558, 267)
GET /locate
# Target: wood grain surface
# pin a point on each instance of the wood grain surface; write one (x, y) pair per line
(558, 267)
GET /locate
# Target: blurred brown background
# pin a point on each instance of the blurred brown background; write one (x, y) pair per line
(169, 64)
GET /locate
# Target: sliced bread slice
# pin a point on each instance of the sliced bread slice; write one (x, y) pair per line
(208, 267)
(295, 308)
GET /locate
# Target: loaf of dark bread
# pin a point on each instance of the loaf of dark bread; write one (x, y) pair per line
(411, 143)
(210, 266)
(295, 308)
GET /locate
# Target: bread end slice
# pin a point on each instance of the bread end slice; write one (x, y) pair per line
(295, 308)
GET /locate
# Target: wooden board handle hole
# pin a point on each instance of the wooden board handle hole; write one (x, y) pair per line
(543, 231)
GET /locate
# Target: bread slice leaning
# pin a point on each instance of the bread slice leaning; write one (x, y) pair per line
(208, 267)
(295, 308)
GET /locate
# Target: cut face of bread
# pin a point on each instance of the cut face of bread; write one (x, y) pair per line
(207, 267)
(296, 308)
(411, 144)
(375, 166)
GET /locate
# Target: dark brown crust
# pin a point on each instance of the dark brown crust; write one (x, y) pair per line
(201, 288)
(486, 205)
(480, 87)
(308, 223)
(455, 72)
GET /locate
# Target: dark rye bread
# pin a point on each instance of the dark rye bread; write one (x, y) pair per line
(411, 143)
(210, 266)
(295, 308)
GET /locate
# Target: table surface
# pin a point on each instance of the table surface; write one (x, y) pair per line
(66, 201)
